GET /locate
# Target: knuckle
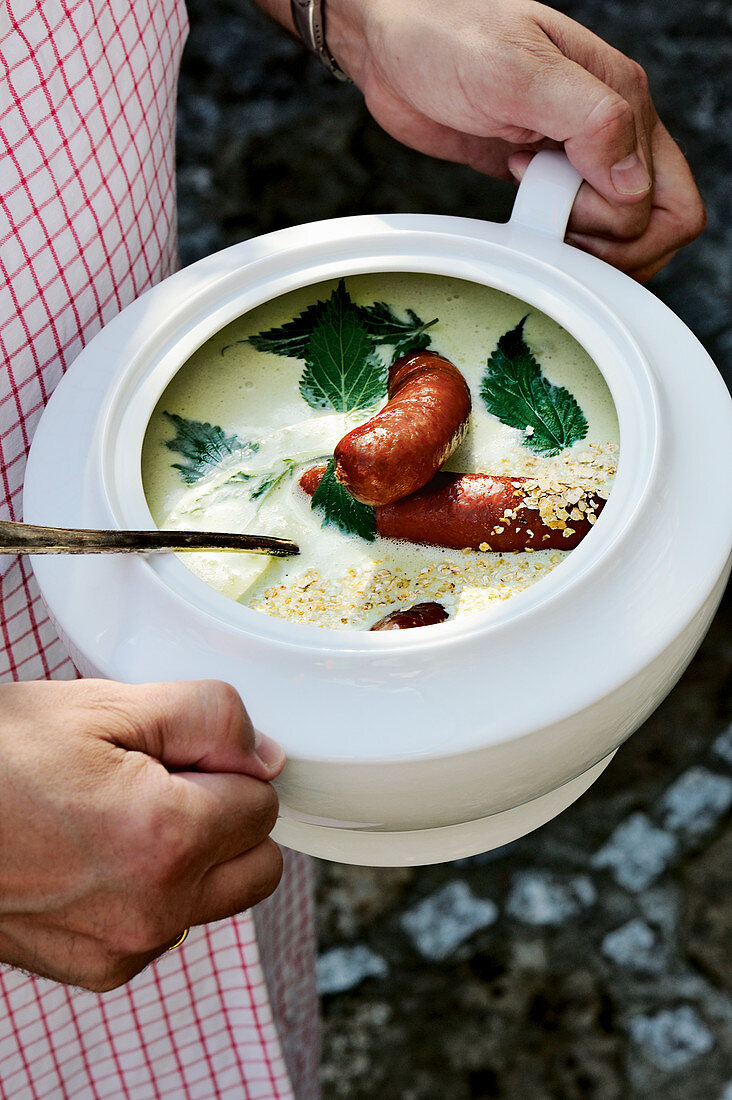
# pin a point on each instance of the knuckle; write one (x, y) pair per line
(269, 879)
(161, 846)
(270, 808)
(630, 222)
(276, 868)
(637, 79)
(693, 222)
(261, 813)
(172, 858)
(226, 694)
(611, 118)
(229, 708)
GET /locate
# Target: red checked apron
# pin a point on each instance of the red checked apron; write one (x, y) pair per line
(87, 222)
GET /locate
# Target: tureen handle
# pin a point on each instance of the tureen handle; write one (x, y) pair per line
(546, 194)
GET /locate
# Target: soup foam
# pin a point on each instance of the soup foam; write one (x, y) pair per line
(341, 581)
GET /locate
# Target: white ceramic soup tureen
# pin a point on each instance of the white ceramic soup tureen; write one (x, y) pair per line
(424, 745)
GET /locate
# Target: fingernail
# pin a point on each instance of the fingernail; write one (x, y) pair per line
(269, 752)
(630, 176)
(517, 166)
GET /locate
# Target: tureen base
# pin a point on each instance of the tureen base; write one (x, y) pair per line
(417, 847)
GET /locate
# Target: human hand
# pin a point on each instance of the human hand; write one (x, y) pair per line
(489, 84)
(128, 813)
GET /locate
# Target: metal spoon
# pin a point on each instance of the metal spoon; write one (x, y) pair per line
(23, 538)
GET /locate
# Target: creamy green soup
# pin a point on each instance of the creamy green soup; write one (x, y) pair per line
(250, 413)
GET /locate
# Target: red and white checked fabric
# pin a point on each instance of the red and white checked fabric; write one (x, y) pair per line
(87, 222)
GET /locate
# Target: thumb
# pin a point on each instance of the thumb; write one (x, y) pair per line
(604, 132)
(197, 725)
(606, 146)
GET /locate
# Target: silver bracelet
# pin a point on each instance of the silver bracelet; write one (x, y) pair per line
(308, 17)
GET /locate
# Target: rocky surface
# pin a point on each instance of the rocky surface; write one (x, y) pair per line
(591, 959)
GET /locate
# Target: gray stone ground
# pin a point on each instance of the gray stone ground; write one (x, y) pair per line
(591, 959)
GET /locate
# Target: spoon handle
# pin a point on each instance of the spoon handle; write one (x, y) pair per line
(23, 538)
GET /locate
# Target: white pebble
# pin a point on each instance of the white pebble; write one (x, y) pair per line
(696, 801)
(673, 1037)
(542, 898)
(345, 967)
(444, 920)
(637, 852)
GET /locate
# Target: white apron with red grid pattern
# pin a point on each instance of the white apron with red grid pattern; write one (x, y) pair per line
(87, 222)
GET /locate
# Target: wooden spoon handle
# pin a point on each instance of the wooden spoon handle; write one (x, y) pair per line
(23, 538)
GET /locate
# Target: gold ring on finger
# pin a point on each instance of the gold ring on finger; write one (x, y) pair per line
(180, 941)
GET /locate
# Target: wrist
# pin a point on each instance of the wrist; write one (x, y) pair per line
(345, 30)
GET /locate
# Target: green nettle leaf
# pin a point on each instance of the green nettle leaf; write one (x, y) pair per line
(342, 370)
(239, 477)
(270, 481)
(290, 339)
(379, 320)
(382, 323)
(340, 509)
(203, 445)
(515, 390)
(418, 342)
